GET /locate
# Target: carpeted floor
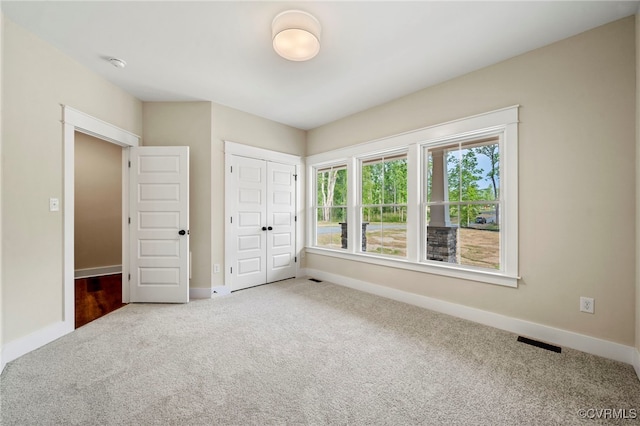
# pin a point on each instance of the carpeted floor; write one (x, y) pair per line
(299, 352)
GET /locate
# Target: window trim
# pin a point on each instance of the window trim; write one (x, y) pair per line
(503, 122)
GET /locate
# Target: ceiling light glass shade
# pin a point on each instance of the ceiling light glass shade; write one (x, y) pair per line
(296, 35)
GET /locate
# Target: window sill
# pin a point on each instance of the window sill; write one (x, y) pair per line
(448, 270)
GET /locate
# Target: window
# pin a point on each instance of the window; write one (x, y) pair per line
(462, 203)
(383, 205)
(442, 200)
(331, 207)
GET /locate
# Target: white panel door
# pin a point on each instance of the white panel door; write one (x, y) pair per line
(262, 222)
(159, 228)
(248, 221)
(281, 226)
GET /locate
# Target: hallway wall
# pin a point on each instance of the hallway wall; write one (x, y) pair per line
(98, 203)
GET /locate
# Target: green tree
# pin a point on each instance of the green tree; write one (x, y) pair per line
(331, 187)
(395, 186)
(463, 176)
(372, 184)
(492, 152)
(384, 182)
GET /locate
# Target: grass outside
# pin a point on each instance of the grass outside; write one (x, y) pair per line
(476, 247)
(391, 241)
(479, 247)
(332, 240)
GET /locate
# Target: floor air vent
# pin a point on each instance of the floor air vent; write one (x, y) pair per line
(542, 345)
(315, 280)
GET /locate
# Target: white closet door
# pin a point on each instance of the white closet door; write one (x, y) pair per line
(249, 207)
(261, 233)
(281, 226)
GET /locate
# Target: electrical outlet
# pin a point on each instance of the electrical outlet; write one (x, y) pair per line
(216, 268)
(586, 304)
(54, 204)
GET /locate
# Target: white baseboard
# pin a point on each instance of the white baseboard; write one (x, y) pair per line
(97, 272)
(636, 361)
(16, 348)
(581, 342)
(2, 362)
(199, 293)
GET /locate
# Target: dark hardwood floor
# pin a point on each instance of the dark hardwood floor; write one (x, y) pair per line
(97, 296)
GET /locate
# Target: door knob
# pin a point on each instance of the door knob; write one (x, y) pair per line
(270, 228)
(264, 228)
(182, 232)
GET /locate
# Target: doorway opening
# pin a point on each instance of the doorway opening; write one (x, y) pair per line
(97, 228)
(74, 123)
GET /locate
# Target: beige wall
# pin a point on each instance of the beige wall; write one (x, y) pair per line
(576, 185)
(237, 126)
(188, 124)
(98, 203)
(36, 79)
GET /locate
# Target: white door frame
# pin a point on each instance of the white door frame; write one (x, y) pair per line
(234, 148)
(76, 121)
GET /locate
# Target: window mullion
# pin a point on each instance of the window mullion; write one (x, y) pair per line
(312, 223)
(414, 235)
(354, 183)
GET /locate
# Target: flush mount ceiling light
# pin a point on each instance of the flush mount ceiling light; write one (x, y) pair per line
(118, 63)
(296, 35)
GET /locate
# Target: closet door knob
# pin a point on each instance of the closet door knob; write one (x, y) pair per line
(264, 228)
(270, 228)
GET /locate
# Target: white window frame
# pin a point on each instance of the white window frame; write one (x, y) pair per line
(502, 122)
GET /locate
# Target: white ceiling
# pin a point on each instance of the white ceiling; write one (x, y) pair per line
(372, 51)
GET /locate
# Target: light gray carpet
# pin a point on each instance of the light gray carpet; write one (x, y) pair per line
(299, 352)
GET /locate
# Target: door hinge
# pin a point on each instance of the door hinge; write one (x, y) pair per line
(231, 269)
(295, 218)
(231, 219)
(295, 177)
(129, 277)
(295, 259)
(231, 167)
(129, 221)
(129, 164)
